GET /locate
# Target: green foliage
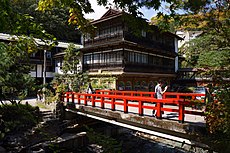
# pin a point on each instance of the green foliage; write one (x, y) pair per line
(109, 144)
(55, 148)
(208, 51)
(71, 59)
(101, 82)
(217, 115)
(195, 15)
(21, 17)
(72, 78)
(18, 117)
(211, 50)
(15, 81)
(16, 20)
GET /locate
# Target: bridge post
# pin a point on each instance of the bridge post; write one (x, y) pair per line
(152, 95)
(93, 101)
(67, 97)
(159, 113)
(78, 98)
(112, 104)
(125, 106)
(73, 97)
(85, 100)
(140, 108)
(178, 97)
(102, 103)
(181, 112)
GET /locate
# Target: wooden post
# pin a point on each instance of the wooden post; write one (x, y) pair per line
(67, 97)
(158, 114)
(125, 106)
(85, 100)
(93, 101)
(112, 104)
(72, 98)
(140, 108)
(181, 112)
(102, 103)
(78, 98)
(178, 97)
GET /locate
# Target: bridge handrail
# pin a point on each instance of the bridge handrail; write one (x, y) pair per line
(125, 102)
(176, 95)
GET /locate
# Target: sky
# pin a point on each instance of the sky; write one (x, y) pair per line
(100, 10)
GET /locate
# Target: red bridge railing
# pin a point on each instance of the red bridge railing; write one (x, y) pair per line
(139, 100)
(175, 95)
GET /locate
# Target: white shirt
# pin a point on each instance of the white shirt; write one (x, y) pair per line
(158, 91)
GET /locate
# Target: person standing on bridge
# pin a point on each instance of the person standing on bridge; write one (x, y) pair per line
(158, 90)
(89, 89)
(159, 93)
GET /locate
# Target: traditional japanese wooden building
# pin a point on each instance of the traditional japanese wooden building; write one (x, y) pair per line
(129, 55)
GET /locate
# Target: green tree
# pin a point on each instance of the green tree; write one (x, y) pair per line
(211, 50)
(15, 81)
(22, 17)
(210, 53)
(72, 79)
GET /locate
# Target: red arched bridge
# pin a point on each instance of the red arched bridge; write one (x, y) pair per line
(178, 116)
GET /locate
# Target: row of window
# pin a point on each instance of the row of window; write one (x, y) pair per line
(130, 57)
(107, 57)
(102, 31)
(105, 31)
(134, 57)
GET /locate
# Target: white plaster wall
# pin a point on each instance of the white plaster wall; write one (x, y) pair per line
(39, 70)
